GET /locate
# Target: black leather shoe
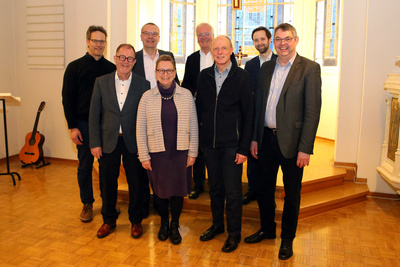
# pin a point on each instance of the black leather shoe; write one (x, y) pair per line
(257, 237)
(231, 243)
(195, 193)
(210, 233)
(175, 236)
(164, 231)
(286, 250)
(248, 197)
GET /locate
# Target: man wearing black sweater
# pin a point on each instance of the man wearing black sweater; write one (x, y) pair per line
(77, 91)
(225, 108)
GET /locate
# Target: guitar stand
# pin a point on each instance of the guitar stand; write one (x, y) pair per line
(38, 167)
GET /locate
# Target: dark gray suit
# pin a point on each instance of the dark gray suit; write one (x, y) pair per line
(139, 65)
(105, 118)
(297, 118)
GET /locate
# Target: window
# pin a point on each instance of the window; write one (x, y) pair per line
(239, 24)
(45, 34)
(182, 28)
(326, 32)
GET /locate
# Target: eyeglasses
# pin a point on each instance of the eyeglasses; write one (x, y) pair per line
(98, 41)
(168, 71)
(150, 33)
(206, 34)
(285, 40)
(123, 58)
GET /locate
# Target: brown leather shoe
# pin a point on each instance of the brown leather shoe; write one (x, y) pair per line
(105, 230)
(136, 230)
(87, 213)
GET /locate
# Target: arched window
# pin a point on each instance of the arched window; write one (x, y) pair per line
(326, 32)
(238, 24)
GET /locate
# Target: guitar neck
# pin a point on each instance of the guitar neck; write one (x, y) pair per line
(36, 124)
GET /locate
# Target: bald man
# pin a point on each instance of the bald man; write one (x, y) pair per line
(225, 107)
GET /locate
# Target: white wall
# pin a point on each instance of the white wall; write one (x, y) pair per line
(8, 77)
(370, 44)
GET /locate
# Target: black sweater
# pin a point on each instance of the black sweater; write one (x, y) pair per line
(78, 85)
(226, 120)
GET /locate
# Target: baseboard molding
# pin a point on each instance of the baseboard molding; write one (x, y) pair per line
(383, 195)
(324, 138)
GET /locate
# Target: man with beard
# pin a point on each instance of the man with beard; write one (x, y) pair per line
(262, 40)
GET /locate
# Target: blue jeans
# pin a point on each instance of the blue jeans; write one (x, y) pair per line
(85, 166)
(225, 180)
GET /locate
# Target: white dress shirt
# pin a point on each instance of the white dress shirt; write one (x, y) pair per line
(205, 60)
(278, 80)
(122, 89)
(150, 67)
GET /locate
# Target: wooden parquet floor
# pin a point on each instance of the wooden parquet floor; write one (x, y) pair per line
(40, 226)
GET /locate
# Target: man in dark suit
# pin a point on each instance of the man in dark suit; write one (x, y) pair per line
(112, 130)
(262, 40)
(146, 58)
(288, 105)
(145, 67)
(195, 63)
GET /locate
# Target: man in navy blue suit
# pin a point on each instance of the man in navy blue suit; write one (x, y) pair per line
(262, 41)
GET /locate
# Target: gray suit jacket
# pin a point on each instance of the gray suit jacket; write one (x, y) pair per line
(298, 108)
(105, 117)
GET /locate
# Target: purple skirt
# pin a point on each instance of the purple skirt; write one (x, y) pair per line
(169, 176)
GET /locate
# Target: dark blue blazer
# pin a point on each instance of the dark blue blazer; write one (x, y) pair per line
(139, 66)
(253, 68)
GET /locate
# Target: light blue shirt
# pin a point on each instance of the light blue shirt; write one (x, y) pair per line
(278, 80)
(220, 77)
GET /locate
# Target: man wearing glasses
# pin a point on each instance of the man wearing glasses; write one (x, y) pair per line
(145, 67)
(77, 91)
(147, 57)
(288, 104)
(195, 63)
(112, 123)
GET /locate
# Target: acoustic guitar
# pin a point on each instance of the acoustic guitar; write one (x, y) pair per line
(32, 152)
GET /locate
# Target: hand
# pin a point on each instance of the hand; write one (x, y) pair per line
(303, 159)
(254, 149)
(190, 161)
(96, 152)
(147, 165)
(76, 136)
(240, 158)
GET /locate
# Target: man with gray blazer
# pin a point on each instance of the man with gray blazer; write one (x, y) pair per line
(112, 131)
(288, 104)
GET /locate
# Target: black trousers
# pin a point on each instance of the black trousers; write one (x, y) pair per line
(225, 180)
(269, 160)
(199, 172)
(135, 175)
